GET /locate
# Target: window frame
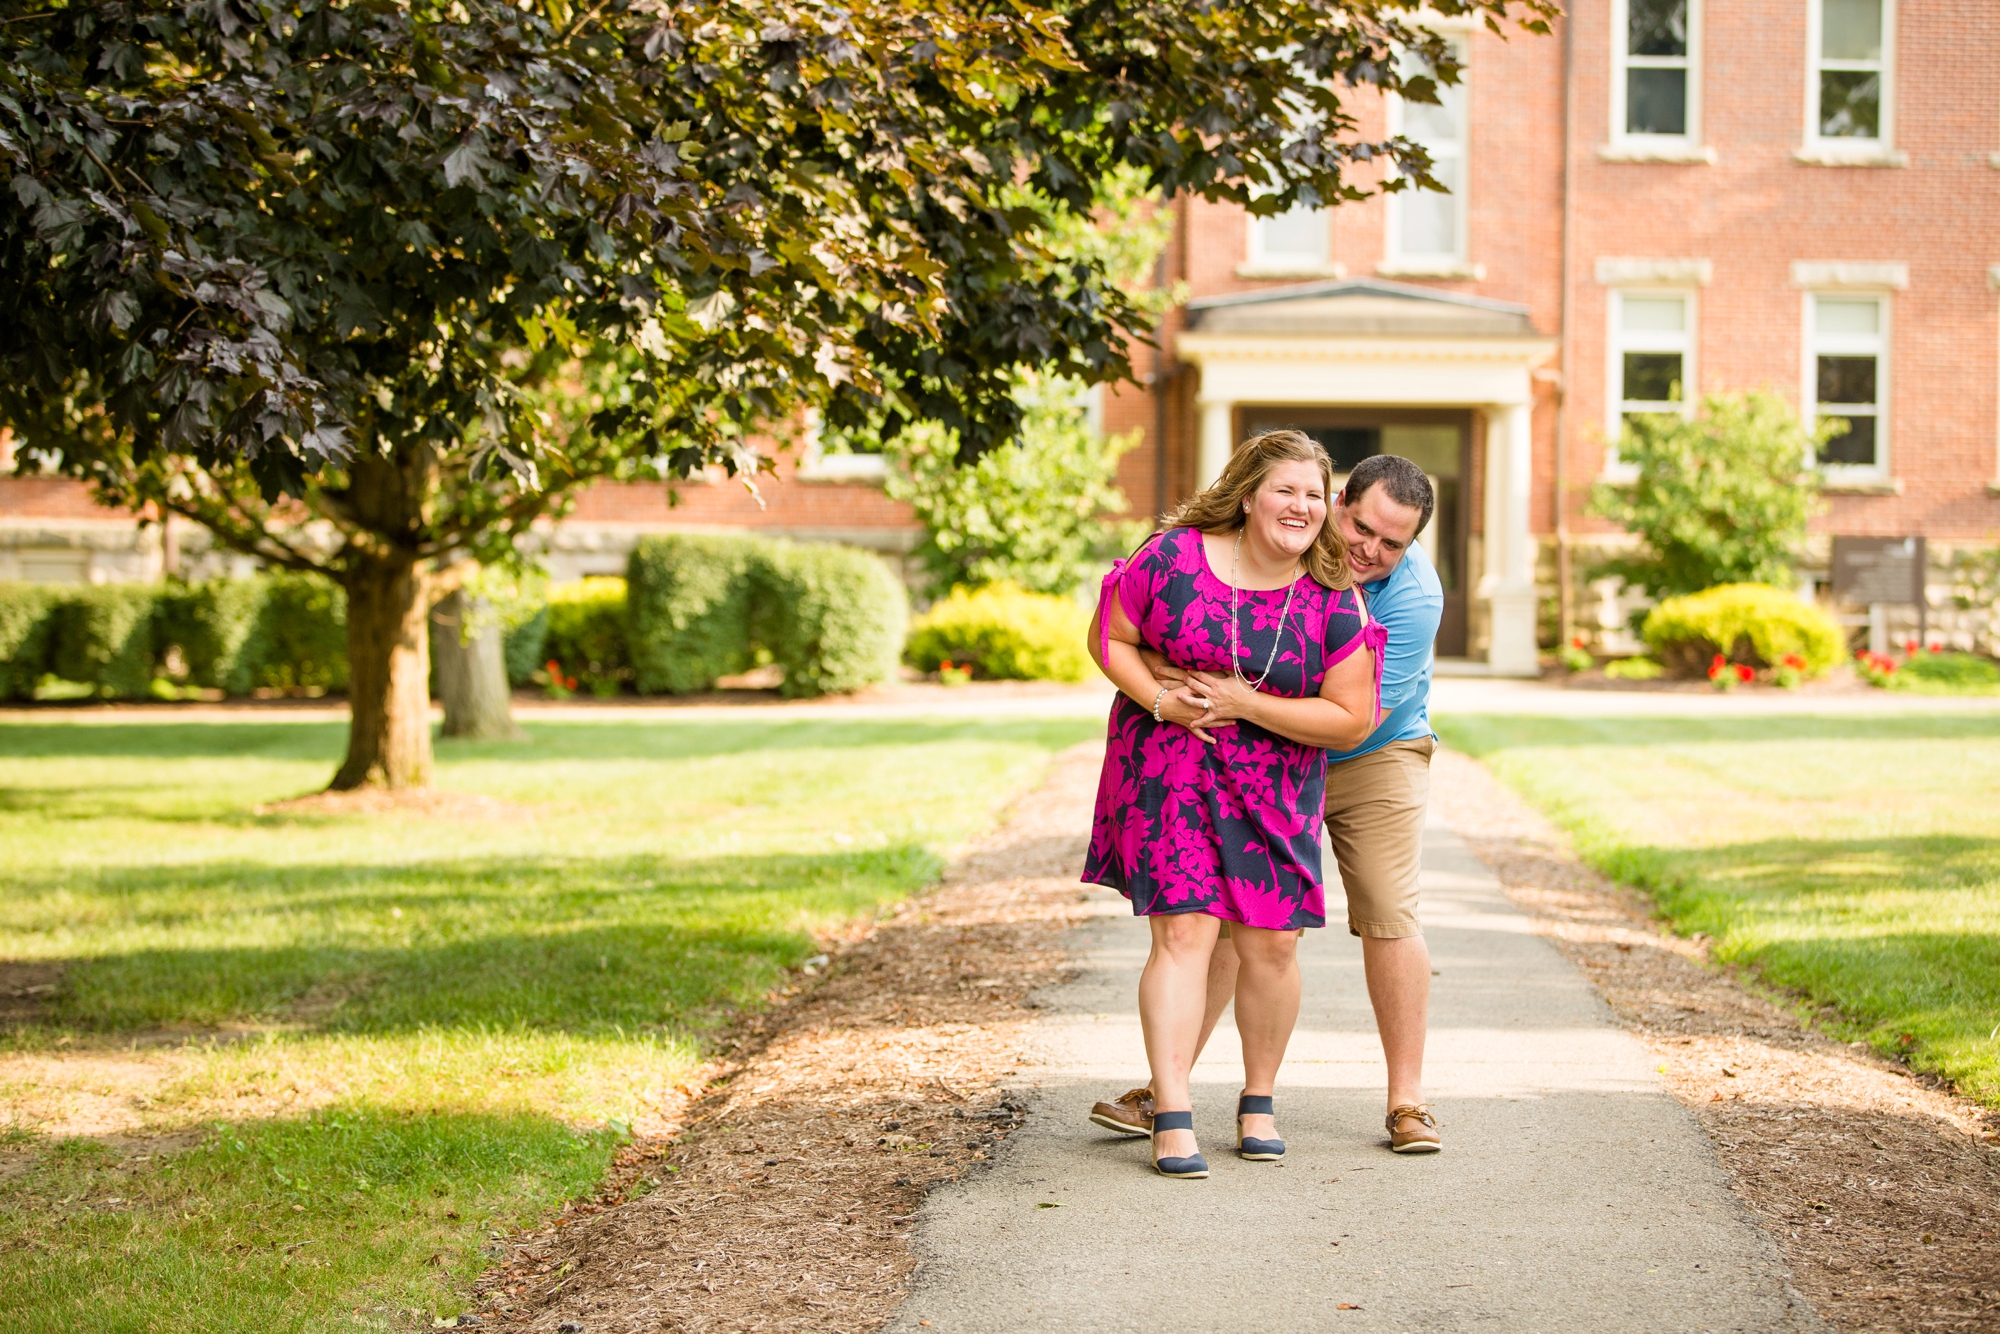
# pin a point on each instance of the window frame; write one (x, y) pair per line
(1622, 61)
(1258, 258)
(1847, 146)
(1878, 345)
(1458, 263)
(1617, 343)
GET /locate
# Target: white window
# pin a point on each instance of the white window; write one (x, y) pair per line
(1847, 364)
(1656, 76)
(1651, 362)
(1294, 241)
(1427, 229)
(1850, 80)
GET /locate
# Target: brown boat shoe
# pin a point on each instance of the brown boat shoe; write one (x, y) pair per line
(1412, 1129)
(1128, 1114)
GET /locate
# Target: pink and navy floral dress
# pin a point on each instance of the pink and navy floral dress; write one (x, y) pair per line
(1232, 829)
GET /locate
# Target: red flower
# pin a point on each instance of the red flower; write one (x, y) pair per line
(1910, 648)
(1793, 661)
(1578, 642)
(1743, 672)
(1937, 648)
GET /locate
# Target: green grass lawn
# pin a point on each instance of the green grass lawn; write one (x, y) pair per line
(1853, 860)
(380, 1040)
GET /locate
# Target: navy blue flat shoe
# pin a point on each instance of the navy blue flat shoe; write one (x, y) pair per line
(1192, 1168)
(1247, 1146)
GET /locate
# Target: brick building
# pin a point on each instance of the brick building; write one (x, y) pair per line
(1668, 198)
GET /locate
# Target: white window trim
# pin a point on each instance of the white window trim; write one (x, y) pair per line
(1615, 347)
(1836, 151)
(1845, 476)
(1625, 146)
(816, 465)
(1290, 264)
(1396, 264)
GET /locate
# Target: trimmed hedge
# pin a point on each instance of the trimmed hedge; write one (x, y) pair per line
(281, 631)
(688, 610)
(701, 607)
(585, 632)
(1003, 632)
(1754, 624)
(24, 637)
(832, 617)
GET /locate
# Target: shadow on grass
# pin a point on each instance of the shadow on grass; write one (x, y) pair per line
(614, 738)
(578, 945)
(1901, 936)
(1481, 735)
(278, 1225)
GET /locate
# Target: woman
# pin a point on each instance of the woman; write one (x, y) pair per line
(1209, 807)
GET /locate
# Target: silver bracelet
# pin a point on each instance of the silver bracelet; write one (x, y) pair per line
(1156, 703)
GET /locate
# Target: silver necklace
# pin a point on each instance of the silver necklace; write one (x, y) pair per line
(1235, 627)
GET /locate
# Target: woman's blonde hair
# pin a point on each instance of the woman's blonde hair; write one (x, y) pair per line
(1220, 508)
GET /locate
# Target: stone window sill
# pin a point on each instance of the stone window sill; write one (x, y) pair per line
(1682, 154)
(1268, 268)
(1863, 486)
(1852, 157)
(866, 468)
(1410, 269)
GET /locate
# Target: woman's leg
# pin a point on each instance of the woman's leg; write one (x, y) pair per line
(1173, 991)
(1267, 1009)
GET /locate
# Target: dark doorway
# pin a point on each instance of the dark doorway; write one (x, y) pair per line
(1437, 440)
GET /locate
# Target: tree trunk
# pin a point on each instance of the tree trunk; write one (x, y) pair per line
(471, 669)
(388, 666)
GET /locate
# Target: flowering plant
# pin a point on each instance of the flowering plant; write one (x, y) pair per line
(554, 682)
(1724, 675)
(1878, 668)
(1576, 655)
(1789, 672)
(952, 674)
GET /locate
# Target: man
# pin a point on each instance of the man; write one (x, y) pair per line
(1376, 795)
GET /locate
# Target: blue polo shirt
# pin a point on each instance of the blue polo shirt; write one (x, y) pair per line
(1409, 603)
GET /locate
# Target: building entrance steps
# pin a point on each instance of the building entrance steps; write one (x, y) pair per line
(1573, 1190)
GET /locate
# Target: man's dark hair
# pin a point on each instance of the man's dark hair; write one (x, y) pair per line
(1403, 480)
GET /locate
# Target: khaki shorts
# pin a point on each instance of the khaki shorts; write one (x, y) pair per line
(1375, 820)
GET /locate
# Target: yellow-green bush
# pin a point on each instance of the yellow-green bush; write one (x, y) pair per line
(1748, 623)
(1003, 632)
(586, 632)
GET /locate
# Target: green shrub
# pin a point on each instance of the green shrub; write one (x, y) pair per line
(25, 624)
(212, 624)
(1719, 498)
(1634, 669)
(688, 610)
(832, 617)
(523, 644)
(586, 632)
(300, 639)
(1753, 624)
(1964, 670)
(1003, 632)
(102, 637)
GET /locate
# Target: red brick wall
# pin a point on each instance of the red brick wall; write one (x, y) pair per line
(1756, 210)
(788, 502)
(32, 498)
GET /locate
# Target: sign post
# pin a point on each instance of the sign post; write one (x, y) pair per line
(1878, 572)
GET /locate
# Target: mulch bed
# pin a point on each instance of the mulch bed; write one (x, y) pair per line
(786, 1202)
(1881, 1187)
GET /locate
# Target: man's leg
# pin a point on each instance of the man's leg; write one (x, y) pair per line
(1375, 820)
(1399, 987)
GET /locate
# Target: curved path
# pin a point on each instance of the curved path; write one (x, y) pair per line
(1574, 1192)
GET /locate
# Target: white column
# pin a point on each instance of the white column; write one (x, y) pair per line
(1509, 581)
(1216, 446)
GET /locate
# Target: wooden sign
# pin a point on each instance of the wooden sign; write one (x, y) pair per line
(1871, 571)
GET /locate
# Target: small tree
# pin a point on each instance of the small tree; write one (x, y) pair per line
(1720, 498)
(1031, 513)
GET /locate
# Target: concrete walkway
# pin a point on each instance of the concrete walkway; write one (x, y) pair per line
(1574, 1193)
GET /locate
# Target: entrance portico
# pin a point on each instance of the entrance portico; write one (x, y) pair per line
(1367, 349)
